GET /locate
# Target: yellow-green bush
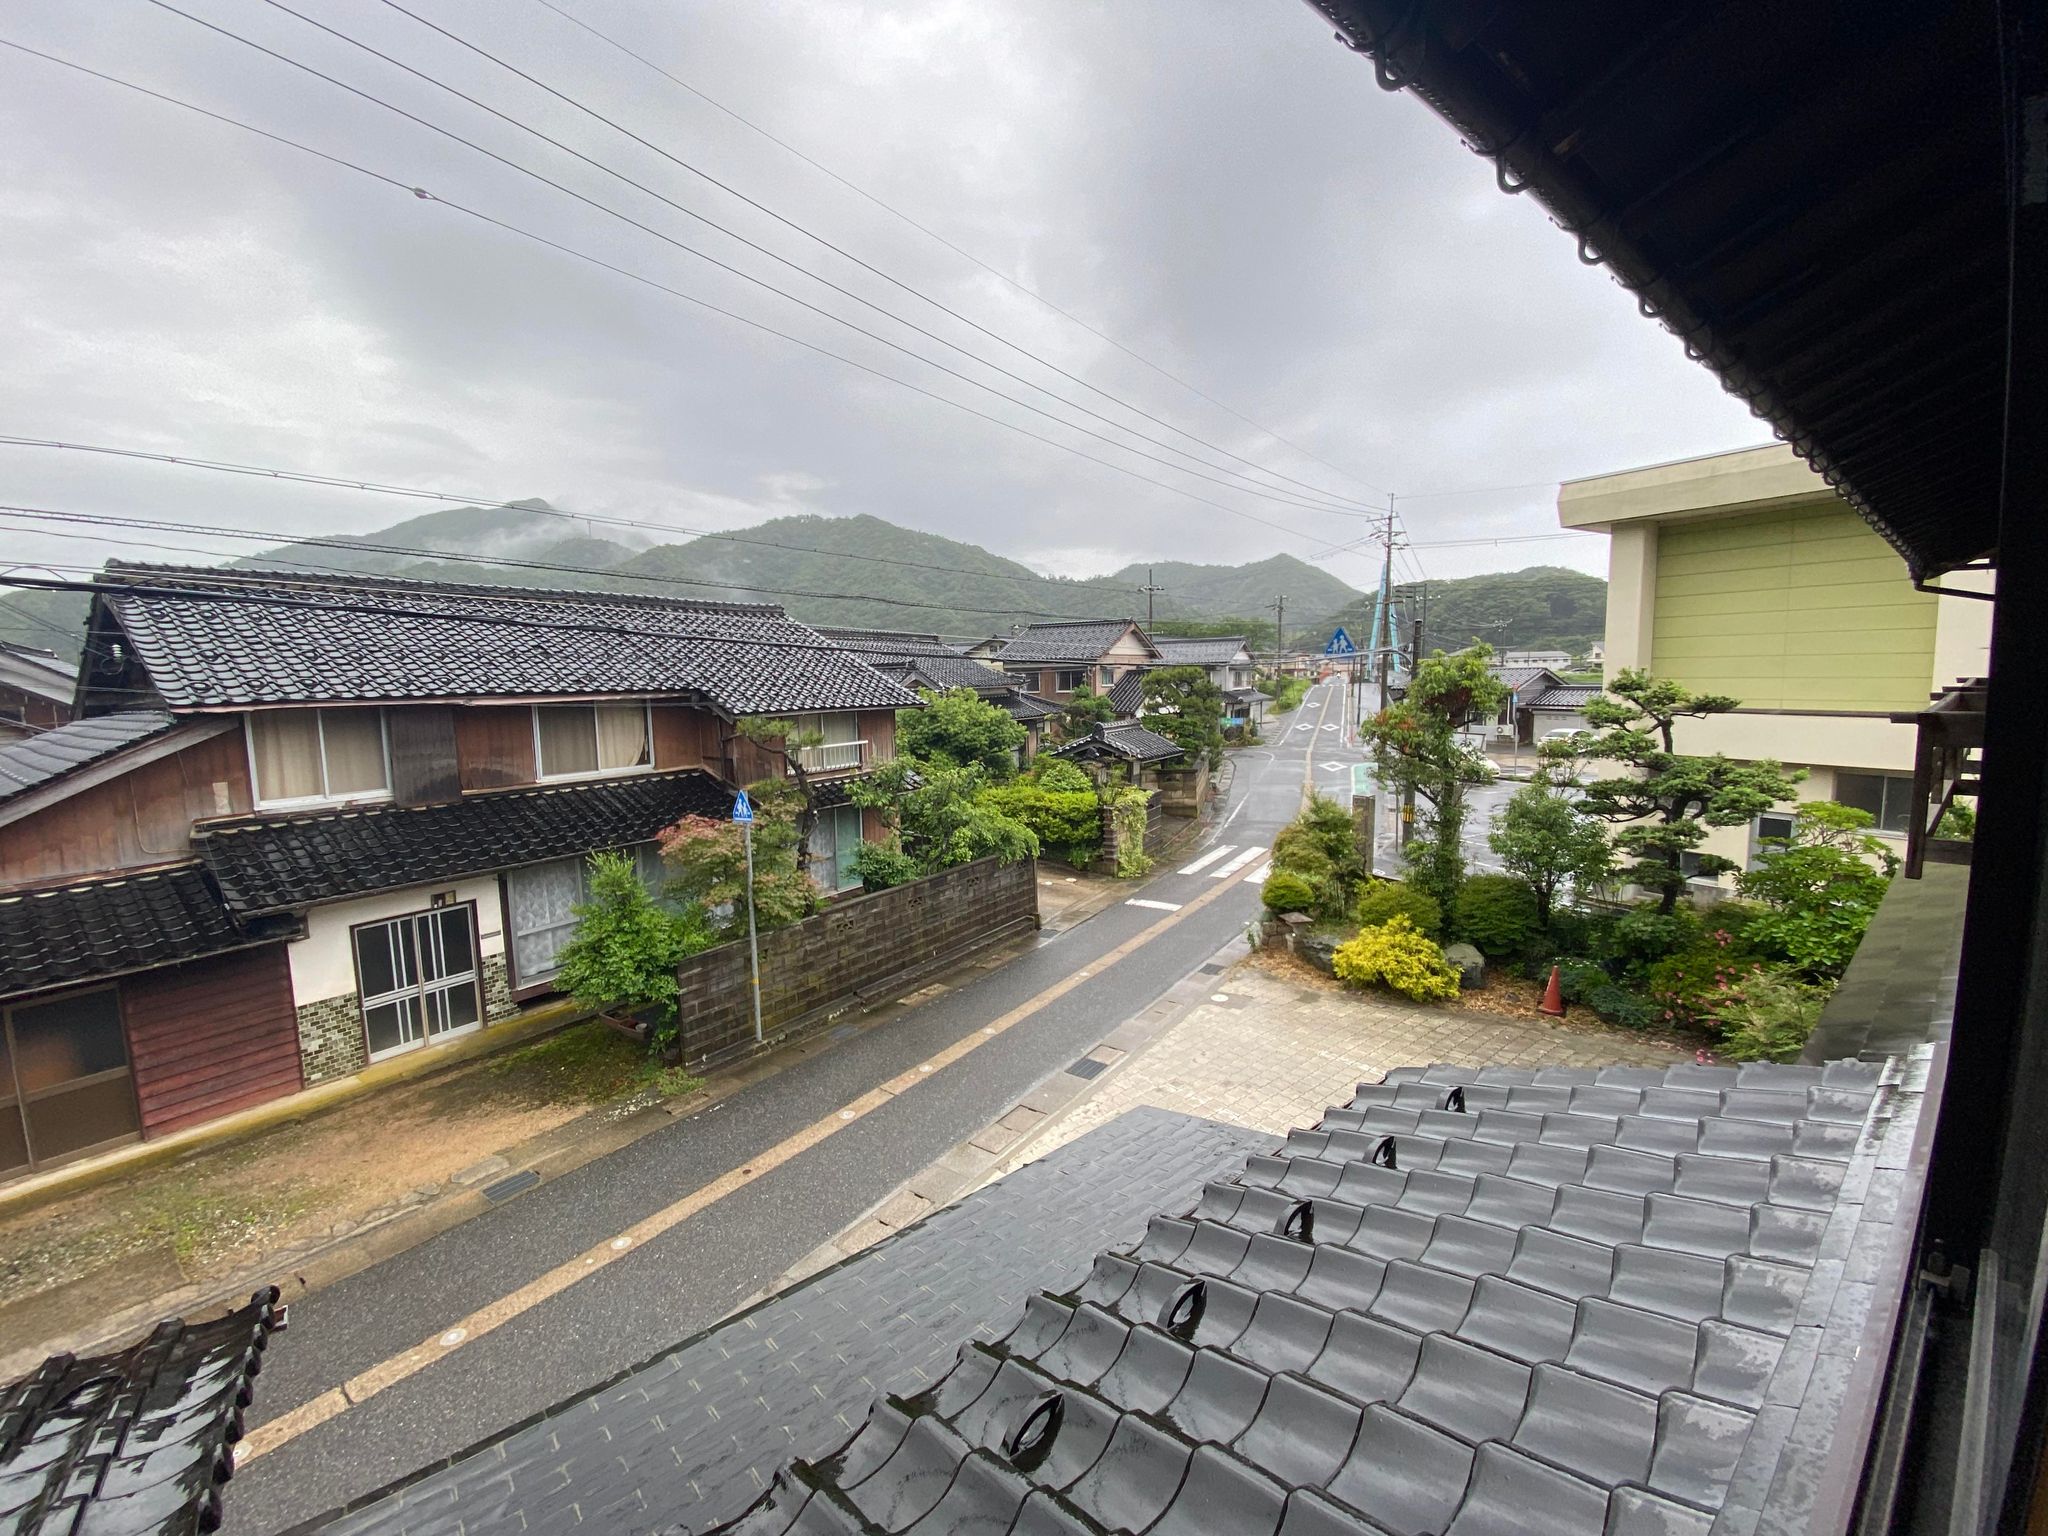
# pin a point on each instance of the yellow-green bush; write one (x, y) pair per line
(1384, 899)
(1396, 956)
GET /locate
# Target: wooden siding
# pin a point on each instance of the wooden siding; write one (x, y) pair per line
(211, 1037)
(494, 745)
(131, 822)
(878, 729)
(1800, 610)
(686, 737)
(423, 756)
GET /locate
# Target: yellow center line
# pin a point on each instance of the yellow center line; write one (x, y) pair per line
(464, 1331)
(1308, 769)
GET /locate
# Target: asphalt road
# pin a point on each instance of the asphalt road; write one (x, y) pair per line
(698, 1271)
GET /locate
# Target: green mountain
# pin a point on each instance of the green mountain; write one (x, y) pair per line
(1545, 607)
(1199, 591)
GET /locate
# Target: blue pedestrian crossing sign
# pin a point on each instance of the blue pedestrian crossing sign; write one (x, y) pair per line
(1340, 645)
(742, 809)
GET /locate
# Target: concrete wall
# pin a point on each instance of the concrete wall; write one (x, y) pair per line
(858, 945)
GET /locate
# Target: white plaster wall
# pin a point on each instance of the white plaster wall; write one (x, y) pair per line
(1631, 596)
(1962, 630)
(323, 963)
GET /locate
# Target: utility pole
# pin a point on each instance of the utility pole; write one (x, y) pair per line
(1148, 589)
(1279, 632)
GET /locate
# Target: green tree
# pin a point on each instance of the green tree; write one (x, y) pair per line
(937, 811)
(1416, 749)
(1548, 843)
(1668, 800)
(1820, 887)
(1084, 711)
(707, 863)
(962, 728)
(623, 955)
(1187, 709)
(788, 740)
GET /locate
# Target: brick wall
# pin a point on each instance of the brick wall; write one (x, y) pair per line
(1181, 789)
(331, 1038)
(857, 947)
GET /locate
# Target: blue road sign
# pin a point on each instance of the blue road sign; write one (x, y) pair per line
(1340, 645)
(742, 808)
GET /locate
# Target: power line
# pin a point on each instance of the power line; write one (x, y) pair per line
(993, 271)
(684, 246)
(836, 249)
(488, 503)
(567, 250)
(222, 531)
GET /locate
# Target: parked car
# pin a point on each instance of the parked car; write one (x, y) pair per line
(1562, 733)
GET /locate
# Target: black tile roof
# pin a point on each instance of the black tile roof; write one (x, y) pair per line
(1123, 740)
(1518, 678)
(691, 1437)
(270, 864)
(135, 1443)
(1199, 650)
(1029, 707)
(311, 638)
(1074, 640)
(1573, 696)
(886, 642)
(57, 935)
(1127, 694)
(49, 754)
(940, 673)
(1495, 1303)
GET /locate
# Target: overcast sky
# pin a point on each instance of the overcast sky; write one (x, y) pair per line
(1217, 186)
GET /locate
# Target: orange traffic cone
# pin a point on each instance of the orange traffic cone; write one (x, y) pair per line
(1553, 997)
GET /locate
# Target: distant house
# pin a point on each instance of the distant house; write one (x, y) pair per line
(1124, 744)
(307, 825)
(1556, 660)
(924, 662)
(1596, 654)
(1224, 658)
(1521, 719)
(35, 690)
(1056, 660)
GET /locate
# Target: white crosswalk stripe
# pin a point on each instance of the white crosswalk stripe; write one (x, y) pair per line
(1157, 906)
(1258, 876)
(1225, 871)
(1207, 859)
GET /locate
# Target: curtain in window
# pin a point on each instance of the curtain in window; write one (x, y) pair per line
(568, 739)
(621, 736)
(841, 727)
(355, 751)
(847, 844)
(543, 901)
(286, 748)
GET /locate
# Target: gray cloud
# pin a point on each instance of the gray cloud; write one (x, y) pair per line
(1217, 185)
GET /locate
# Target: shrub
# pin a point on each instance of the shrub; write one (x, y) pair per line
(1497, 913)
(1642, 936)
(1772, 1021)
(1618, 1005)
(1385, 899)
(1286, 891)
(1396, 956)
(1820, 887)
(1698, 985)
(881, 865)
(1057, 776)
(1128, 809)
(1062, 818)
(1578, 979)
(623, 955)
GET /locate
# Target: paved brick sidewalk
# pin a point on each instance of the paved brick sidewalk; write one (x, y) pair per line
(1269, 1051)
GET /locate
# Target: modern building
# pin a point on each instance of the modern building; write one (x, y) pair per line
(1746, 574)
(307, 824)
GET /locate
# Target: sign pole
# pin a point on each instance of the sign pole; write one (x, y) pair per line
(743, 813)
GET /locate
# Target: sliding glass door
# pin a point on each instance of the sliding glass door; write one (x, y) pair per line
(65, 1086)
(417, 977)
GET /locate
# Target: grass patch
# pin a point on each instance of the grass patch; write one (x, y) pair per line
(588, 1063)
(202, 1224)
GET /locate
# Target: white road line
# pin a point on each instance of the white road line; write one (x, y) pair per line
(1227, 870)
(1207, 859)
(1157, 906)
(1258, 876)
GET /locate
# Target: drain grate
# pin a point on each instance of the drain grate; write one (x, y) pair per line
(1214, 968)
(1086, 1068)
(512, 1184)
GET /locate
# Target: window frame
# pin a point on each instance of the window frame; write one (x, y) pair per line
(1758, 853)
(523, 987)
(1070, 679)
(355, 797)
(1890, 784)
(17, 1099)
(540, 773)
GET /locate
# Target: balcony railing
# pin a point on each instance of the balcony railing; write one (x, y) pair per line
(833, 756)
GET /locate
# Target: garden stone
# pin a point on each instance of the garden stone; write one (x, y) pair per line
(1470, 965)
(1319, 949)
